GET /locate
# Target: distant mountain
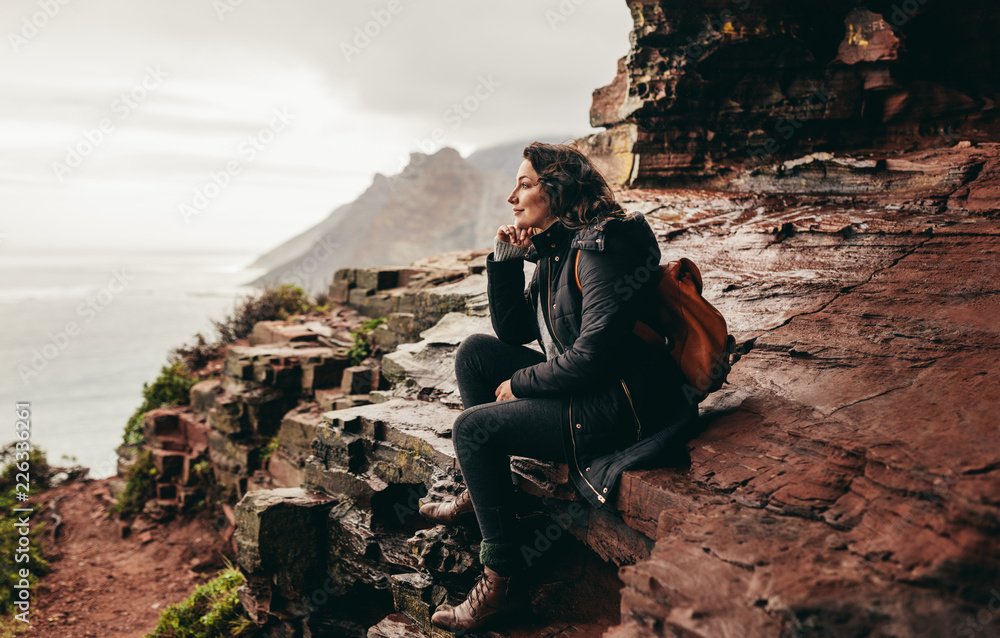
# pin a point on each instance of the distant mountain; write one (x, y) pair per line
(438, 203)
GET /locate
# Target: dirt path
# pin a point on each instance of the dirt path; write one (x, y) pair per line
(102, 585)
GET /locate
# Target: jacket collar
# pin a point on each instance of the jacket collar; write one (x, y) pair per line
(592, 237)
(553, 240)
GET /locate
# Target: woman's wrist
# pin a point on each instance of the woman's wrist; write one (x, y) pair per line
(502, 251)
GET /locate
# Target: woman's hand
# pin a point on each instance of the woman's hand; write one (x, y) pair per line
(508, 234)
(503, 391)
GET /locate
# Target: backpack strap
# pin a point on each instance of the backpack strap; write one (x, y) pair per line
(576, 271)
(644, 332)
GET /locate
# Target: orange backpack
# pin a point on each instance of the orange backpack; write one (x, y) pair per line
(693, 328)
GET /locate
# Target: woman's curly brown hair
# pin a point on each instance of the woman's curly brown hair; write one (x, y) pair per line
(577, 192)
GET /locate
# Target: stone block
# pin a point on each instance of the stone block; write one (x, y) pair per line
(543, 478)
(345, 275)
(327, 397)
(395, 626)
(336, 448)
(278, 372)
(237, 366)
(351, 401)
(338, 481)
(357, 380)
(353, 549)
(323, 372)
(340, 291)
(265, 408)
(286, 472)
(229, 414)
(377, 278)
(255, 597)
(231, 455)
(298, 429)
(195, 432)
(203, 396)
(385, 338)
(417, 597)
(445, 549)
(278, 533)
(168, 464)
(358, 297)
(276, 332)
(162, 429)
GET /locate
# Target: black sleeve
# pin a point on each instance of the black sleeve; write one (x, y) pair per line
(510, 307)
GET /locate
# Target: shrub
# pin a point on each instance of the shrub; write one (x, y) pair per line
(140, 486)
(172, 387)
(270, 304)
(211, 611)
(268, 450)
(198, 355)
(360, 350)
(10, 535)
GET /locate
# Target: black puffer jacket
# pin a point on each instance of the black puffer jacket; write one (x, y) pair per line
(622, 397)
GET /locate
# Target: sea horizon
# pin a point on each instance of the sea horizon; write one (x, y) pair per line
(84, 329)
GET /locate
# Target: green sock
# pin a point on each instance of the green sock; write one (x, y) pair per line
(503, 558)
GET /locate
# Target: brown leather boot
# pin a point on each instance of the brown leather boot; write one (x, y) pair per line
(492, 598)
(448, 512)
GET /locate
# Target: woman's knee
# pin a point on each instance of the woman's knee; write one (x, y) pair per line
(471, 350)
(472, 428)
(474, 345)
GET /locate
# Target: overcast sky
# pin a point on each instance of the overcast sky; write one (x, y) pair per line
(235, 124)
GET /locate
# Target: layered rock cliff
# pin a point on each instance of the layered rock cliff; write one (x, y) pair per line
(711, 85)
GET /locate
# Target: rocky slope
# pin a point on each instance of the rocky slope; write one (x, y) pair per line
(844, 482)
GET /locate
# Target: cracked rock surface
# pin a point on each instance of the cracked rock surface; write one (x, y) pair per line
(846, 479)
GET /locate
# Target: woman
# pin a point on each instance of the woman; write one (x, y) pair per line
(600, 398)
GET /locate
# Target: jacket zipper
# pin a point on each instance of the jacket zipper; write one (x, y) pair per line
(575, 462)
(628, 395)
(548, 308)
(572, 438)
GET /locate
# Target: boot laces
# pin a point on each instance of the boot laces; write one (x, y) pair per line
(478, 594)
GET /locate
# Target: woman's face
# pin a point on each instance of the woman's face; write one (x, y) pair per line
(531, 207)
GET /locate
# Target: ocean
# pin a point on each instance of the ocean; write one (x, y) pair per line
(82, 331)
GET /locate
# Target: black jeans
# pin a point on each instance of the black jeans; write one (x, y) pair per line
(489, 432)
